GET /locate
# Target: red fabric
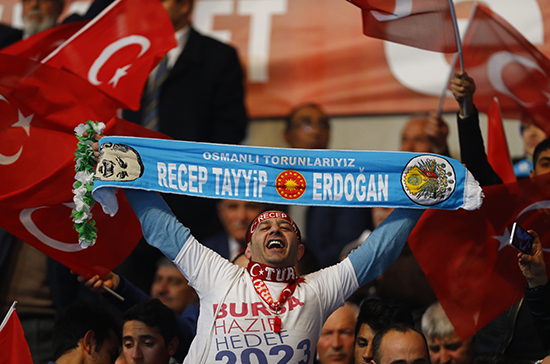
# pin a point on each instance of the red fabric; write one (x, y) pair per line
(13, 345)
(504, 64)
(43, 43)
(497, 147)
(117, 50)
(474, 275)
(37, 167)
(425, 24)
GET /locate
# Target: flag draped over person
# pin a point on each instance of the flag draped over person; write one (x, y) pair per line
(37, 167)
(117, 50)
(13, 345)
(465, 255)
(425, 24)
(498, 153)
(506, 65)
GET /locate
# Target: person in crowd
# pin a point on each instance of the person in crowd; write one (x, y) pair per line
(375, 315)
(443, 342)
(400, 343)
(531, 135)
(235, 217)
(149, 333)
(37, 16)
(268, 296)
(337, 336)
(196, 93)
(509, 333)
(84, 334)
(537, 290)
(40, 15)
(404, 280)
(425, 134)
(327, 229)
(169, 286)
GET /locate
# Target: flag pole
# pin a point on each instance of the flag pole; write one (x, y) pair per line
(7, 317)
(113, 292)
(458, 46)
(439, 110)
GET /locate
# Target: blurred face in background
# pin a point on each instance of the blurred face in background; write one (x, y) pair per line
(532, 135)
(414, 137)
(235, 217)
(171, 288)
(309, 128)
(450, 350)
(39, 15)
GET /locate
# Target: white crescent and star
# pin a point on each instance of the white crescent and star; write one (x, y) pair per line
(26, 219)
(403, 8)
(23, 122)
(496, 64)
(505, 237)
(109, 51)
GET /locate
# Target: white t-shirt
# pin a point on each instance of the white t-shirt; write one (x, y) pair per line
(243, 331)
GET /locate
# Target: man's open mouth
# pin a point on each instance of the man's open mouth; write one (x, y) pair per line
(275, 244)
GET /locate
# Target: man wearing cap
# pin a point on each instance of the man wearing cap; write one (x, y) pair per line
(265, 313)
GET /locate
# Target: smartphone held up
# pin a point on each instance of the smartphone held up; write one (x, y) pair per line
(521, 239)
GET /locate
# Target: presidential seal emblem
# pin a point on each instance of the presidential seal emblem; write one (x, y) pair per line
(290, 185)
(428, 180)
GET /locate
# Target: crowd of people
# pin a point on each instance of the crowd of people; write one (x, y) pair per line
(244, 282)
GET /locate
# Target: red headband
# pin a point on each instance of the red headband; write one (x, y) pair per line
(271, 215)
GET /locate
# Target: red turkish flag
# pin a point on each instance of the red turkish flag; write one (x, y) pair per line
(504, 64)
(13, 345)
(497, 147)
(117, 50)
(41, 44)
(465, 256)
(425, 24)
(37, 167)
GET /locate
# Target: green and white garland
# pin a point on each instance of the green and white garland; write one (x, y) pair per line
(85, 172)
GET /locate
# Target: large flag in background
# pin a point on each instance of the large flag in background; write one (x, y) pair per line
(41, 44)
(498, 153)
(465, 256)
(504, 64)
(37, 167)
(425, 24)
(117, 50)
(13, 345)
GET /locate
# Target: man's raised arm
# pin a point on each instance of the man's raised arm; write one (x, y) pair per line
(383, 245)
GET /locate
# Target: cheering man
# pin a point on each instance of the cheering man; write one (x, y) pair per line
(266, 312)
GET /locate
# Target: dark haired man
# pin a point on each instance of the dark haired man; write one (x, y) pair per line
(375, 315)
(541, 158)
(265, 311)
(327, 229)
(245, 312)
(83, 334)
(149, 334)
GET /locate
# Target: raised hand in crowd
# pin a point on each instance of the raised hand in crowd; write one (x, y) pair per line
(96, 283)
(437, 131)
(532, 265)
(463, 88)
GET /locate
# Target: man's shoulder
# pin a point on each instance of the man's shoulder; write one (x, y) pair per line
(210, 43)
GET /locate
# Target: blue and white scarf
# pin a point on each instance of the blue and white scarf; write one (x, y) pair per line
(284, 176)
